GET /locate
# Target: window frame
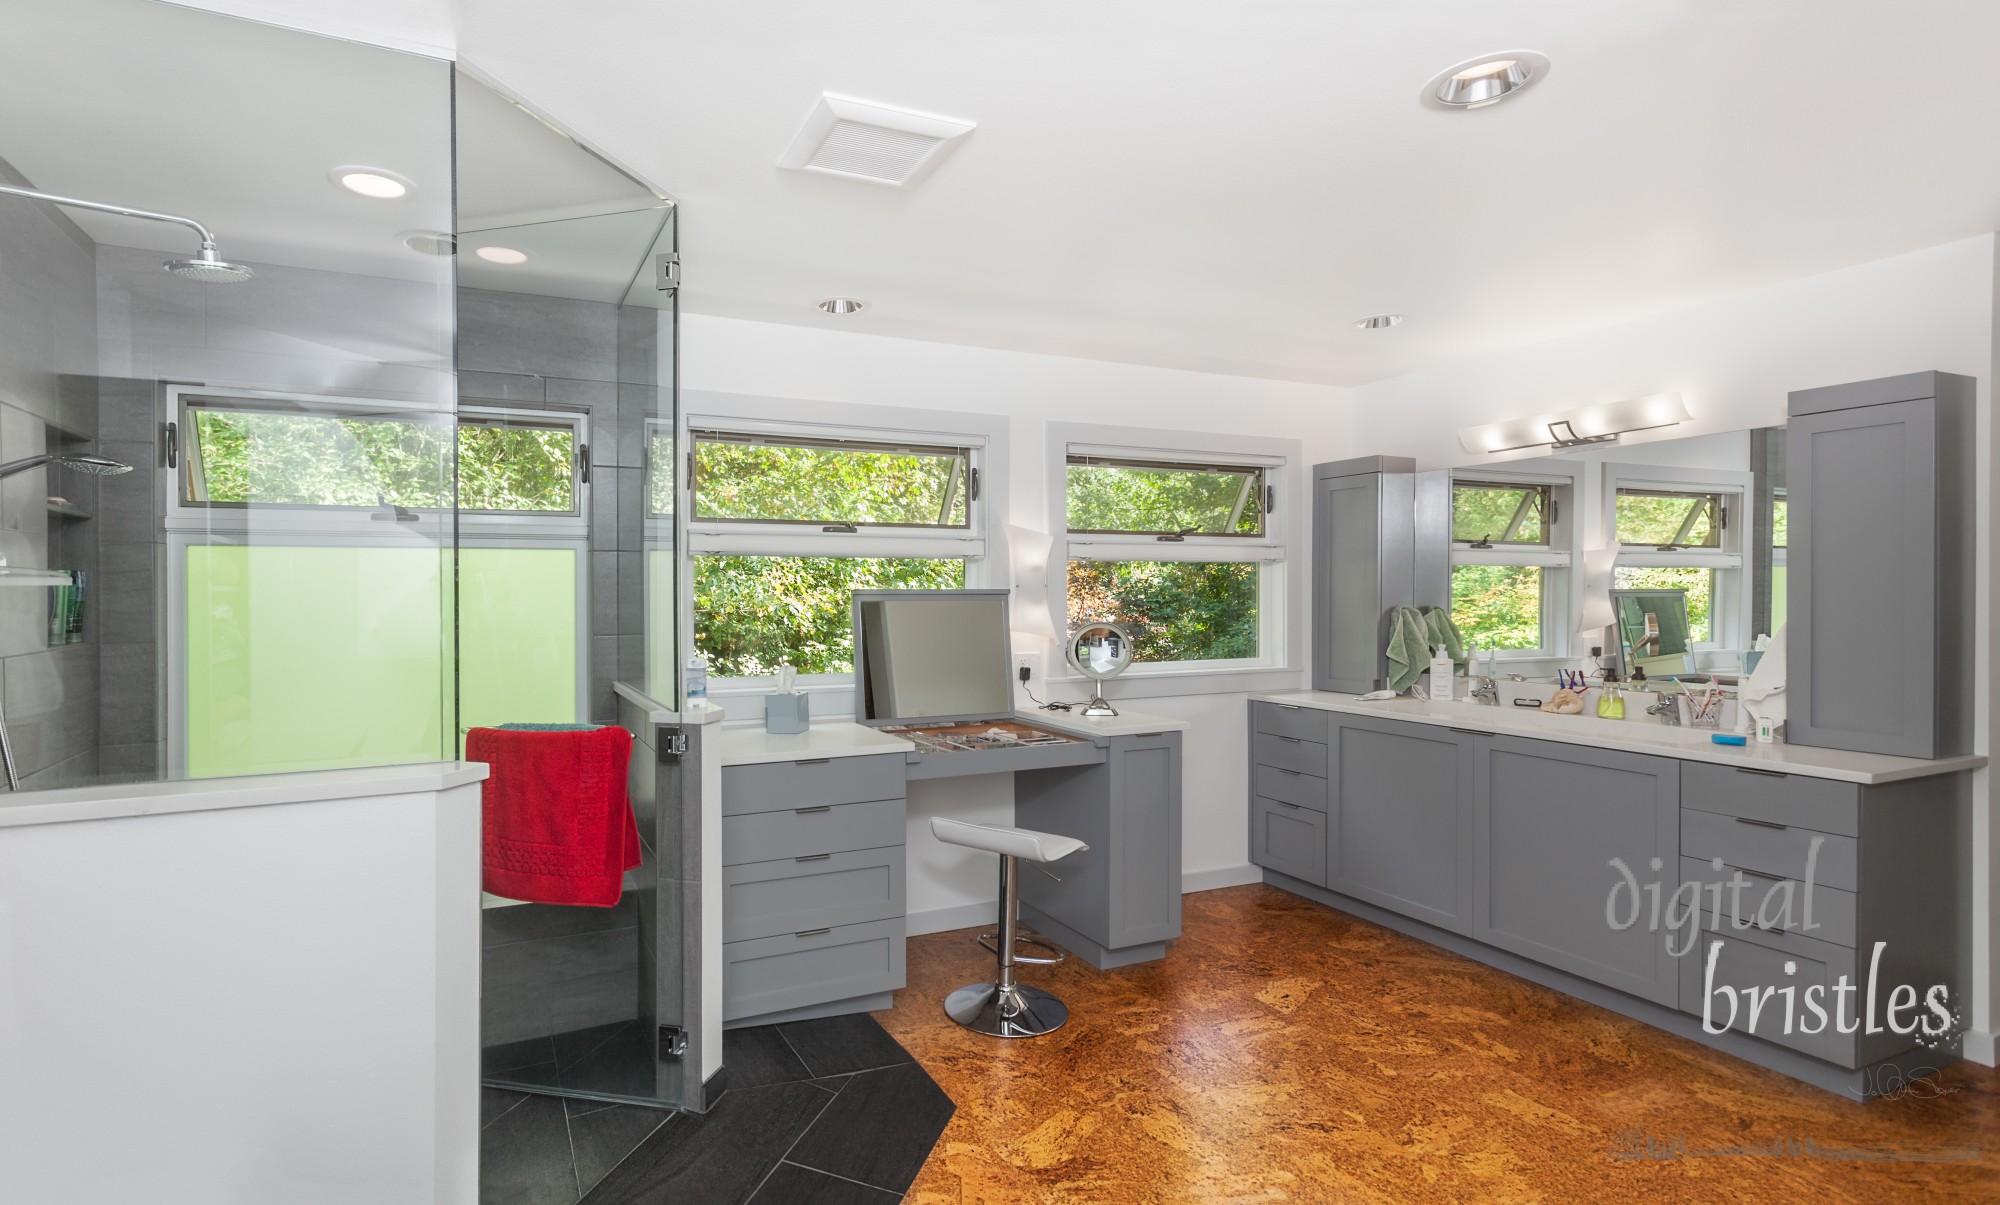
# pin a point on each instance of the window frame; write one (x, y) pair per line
(982, 436)
(1555, 556)
(1730, 602)
(1280, 609)
(969, 482)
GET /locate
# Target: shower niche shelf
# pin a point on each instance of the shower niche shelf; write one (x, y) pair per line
(35, 577)
(66, 511)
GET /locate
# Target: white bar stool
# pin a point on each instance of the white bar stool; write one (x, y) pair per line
(1004, 1008)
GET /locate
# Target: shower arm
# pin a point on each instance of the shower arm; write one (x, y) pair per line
(207, 239)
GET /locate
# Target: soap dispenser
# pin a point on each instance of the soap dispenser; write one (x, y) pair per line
(1441, 674)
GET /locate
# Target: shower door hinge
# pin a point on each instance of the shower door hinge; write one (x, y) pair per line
(173, 447)
(667, 272)
(674, 744)
(673, 1042)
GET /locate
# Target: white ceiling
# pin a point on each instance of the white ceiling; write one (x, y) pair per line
(1228, 186)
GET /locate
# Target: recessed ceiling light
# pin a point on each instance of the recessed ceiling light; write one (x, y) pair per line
(1486, 80)
(375, 183)
(843, 305)
(1377, 322)
(428, 242)
(501, 255)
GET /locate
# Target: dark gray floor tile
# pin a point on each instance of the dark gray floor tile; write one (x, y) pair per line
(495, 1102)
(715, 1158)
(832, 1083)
(577, 1045)
(524, 1157)
(791, 1184)
(627, 1063)
(879, 1129)
(758, 1056)
(838, 1045)
(577, 1106)
(509, 1055)
(600, 1140)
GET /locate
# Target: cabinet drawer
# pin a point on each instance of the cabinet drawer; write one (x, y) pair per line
(1289, 839)
(1829, 910)
(1769, 847)
(1744, 964)
(1291, 753)
(795, 970)
(1285, 719)
(1291, 786)
(781, 786)
(826, 829)
(764, 899)
(1820, 804)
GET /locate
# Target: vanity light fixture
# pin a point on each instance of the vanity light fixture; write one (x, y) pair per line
(1486, 80)
(501, 255)
(843, 305)
(375, 183)
(1379, 322)
(1577, 428)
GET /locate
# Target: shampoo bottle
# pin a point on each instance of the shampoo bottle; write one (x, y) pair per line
(1441, 674)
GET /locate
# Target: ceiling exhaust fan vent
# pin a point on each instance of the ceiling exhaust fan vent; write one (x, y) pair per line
(862, 141)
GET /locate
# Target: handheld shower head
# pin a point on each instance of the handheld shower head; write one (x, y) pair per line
(204, 266)
(75, 462)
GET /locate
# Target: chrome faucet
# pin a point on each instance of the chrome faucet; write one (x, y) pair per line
(1484, 690)
(1667, 709)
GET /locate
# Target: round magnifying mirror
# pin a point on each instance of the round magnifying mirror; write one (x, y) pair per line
(1099, 651)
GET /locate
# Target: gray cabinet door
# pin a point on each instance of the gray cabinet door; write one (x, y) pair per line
(1863, 561)
(1399, 818)
(1548, 820)
(1347, 583)
(1125, 890)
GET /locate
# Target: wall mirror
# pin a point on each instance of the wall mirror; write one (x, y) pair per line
(1540, 544)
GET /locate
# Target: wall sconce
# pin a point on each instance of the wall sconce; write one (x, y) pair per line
(1028, 553)
(1577, 428)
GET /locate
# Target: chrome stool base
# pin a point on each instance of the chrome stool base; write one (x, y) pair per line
(990, 943)
(1015, 1012)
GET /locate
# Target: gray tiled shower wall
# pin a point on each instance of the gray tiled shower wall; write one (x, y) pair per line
(553, 353)
(48, 349)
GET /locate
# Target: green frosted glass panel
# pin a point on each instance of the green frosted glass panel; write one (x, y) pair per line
(517, 636)
(305, 658)
(662, 666)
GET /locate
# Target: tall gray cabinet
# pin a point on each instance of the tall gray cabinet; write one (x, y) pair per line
(1879, 642)
(1363, 565)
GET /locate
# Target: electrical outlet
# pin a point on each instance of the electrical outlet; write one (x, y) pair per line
(1030, 663)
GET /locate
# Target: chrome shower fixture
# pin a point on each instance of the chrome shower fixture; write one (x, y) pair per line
(75, 462)
(205, 265)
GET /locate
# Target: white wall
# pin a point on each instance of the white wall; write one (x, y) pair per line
(727, 355)
(1733, 362)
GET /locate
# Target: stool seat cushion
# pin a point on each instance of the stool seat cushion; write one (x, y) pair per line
(1005, 839)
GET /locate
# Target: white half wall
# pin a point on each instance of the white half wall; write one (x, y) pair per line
(728, 355)
(1733, 361)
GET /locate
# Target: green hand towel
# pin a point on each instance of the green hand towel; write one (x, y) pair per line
(1443, 633)
(1409, 652)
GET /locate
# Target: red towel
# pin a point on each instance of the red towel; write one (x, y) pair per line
(559, 824)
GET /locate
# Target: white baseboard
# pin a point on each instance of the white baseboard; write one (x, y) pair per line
(1221, 876)
(965, 916)
(1979, 1045)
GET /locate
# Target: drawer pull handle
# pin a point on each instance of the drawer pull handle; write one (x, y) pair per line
(1287, 706)
(1467, 731)
(1762, 823)
(812, 858)
(1282, 770)
(812, 761)
(824, 807)
(1289, 740)
(1283, 804)
(1762, 773)
(813, 933)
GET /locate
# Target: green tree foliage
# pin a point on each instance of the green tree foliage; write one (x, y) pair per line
(1655, 519)
(753, 612)
(826, 485)
(1124, 498)
(1482, 512)
(1498, 606)
(1175, 610)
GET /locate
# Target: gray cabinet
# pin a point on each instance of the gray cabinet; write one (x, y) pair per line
(1363, 564)
(1125, 890)
(1548, 819)
(1288, 789)
(1399, 818)
(1879, 642)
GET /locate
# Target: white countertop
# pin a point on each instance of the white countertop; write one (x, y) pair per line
(1636, 737)
(749, 744)
(659, 713)
(217, 794)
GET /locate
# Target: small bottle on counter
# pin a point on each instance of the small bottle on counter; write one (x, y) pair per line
(1441, 674)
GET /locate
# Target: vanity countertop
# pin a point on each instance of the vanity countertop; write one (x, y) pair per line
(1636, 737)
(749, 744)
(220, 794)
(1125, 723)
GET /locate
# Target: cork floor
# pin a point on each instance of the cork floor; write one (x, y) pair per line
(1287, 1052)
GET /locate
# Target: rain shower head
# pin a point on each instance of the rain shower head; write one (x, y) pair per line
(75, 462)
(204, 266)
